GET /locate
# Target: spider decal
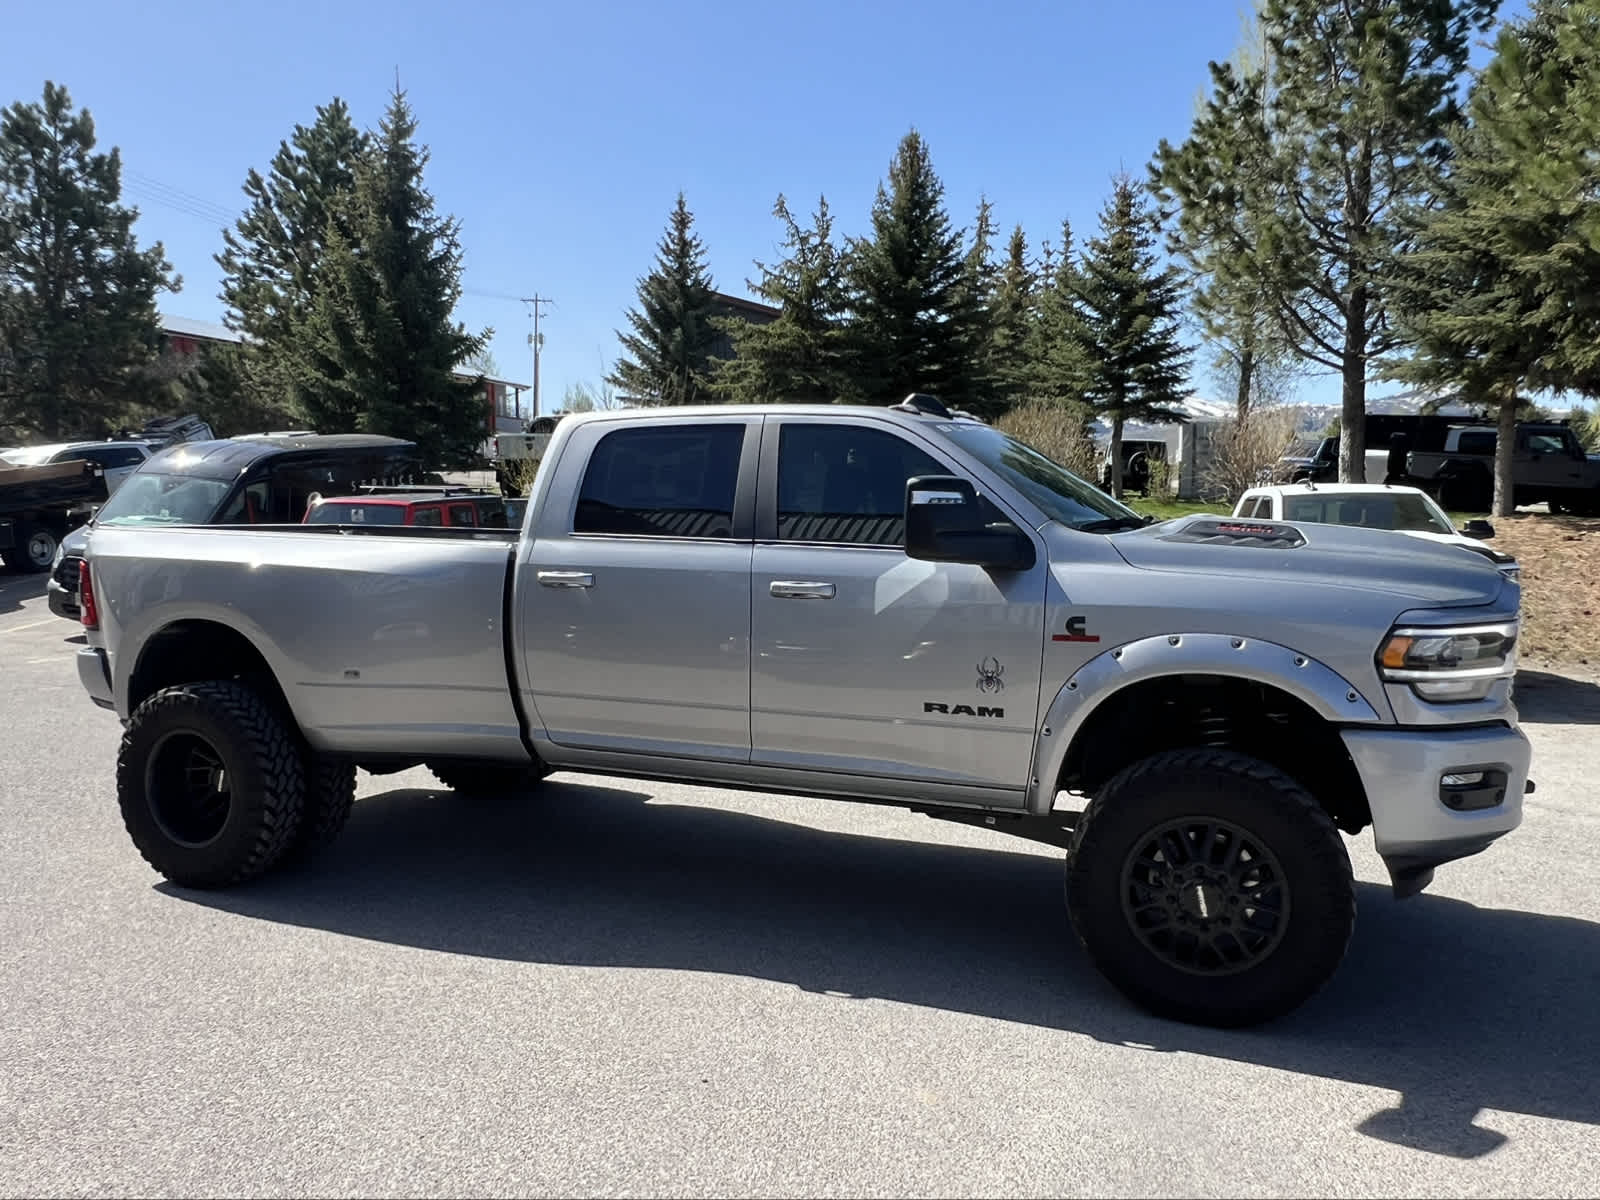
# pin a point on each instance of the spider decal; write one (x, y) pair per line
(989, 675)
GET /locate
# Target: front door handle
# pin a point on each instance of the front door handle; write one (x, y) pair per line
(566, 579)
(795, 589)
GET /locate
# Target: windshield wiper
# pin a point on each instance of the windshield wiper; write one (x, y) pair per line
(1112, 524)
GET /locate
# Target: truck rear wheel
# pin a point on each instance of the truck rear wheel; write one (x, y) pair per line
(487, 779)
(211, 783)
(35, 548)
(1211, 888)
(330, 795)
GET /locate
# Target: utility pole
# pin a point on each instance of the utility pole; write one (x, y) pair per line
(536, 340)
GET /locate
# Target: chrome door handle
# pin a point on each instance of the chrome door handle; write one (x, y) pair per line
(795, 589)
(566, 579)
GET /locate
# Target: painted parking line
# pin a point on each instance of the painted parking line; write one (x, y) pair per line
(30, 624)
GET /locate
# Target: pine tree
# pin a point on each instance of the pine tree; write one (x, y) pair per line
(381, 347)
(77, 294)
(802, 357)
(1497, 297)
(1343, 125)
(917, 323)
(1011, 319)
(1127, 310)
(1055, 370)
(275, 257)
(668, 354)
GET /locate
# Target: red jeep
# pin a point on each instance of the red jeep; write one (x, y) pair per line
(421, 506)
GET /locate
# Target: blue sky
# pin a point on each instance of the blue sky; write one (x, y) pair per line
(561, 134)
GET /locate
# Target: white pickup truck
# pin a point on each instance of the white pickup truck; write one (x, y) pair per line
(892, 605)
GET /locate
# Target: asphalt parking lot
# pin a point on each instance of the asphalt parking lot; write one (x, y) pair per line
(626, 988)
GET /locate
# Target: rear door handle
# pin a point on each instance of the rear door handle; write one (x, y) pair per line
(566, 579)
(796, 589)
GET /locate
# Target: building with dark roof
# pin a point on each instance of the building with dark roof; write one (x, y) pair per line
(505, 411)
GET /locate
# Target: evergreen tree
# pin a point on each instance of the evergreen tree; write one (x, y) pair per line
(917, 322)
(982, 280)
(1498, 295)
(1011, 319)
(275, 257)
(1218, 232)
(381, 347)
(1343, 124)
(77, 294)
(802, 357)
(667, 357)
(1056, 364)
(1127, 313)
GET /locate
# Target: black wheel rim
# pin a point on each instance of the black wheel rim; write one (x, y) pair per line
(186, 785)
(1205, 896)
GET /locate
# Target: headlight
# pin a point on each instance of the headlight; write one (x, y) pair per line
(1447, 664)
(61, 552)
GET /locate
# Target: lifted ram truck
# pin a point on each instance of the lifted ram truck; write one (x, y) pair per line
(893, 605)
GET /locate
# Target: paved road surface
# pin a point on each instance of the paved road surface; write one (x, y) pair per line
(627, 988)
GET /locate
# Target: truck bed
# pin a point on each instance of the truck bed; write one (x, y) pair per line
(383, 638)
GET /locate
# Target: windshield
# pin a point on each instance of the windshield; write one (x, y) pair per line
(155, 498)
(346, 512)
(1049, 485)
(1402, 511)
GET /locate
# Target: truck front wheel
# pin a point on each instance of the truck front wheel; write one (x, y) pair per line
(210, 782)
(1211, 888)
(487, 779)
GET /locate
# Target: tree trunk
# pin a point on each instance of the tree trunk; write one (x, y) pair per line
(1247, 370)
(1116, 456)
(1505, 449)
(1353, 410)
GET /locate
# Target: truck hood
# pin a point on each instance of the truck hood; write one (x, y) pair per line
(1416, 571)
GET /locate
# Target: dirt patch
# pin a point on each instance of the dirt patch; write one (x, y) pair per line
(1560, 559)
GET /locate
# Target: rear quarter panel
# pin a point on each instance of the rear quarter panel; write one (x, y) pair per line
(381, 644)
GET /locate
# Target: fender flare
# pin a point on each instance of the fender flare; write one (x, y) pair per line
(1318, 686)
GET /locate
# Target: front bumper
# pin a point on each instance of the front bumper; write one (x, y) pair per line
(62, 602)
(1402, 771)
(94, 673)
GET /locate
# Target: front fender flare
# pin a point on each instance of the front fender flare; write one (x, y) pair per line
(1319, 687)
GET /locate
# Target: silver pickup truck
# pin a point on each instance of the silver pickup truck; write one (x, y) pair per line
(892, 605)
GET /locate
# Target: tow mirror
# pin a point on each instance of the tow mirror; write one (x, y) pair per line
(945, 523)
(1477, 528)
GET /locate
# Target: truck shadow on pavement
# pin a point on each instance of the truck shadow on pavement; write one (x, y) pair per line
(17, 588)
(1545, 699)
(1455, 1008)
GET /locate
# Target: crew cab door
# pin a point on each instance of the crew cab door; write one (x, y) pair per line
(867, 662)
(634, 588)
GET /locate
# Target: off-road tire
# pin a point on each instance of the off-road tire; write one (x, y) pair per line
(330, 795)
(221, 838)
(1253, 805)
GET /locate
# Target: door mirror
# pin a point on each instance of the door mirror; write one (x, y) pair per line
(945, 523)
(1477, 528)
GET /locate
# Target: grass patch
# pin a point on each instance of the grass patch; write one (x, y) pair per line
(1166, 510)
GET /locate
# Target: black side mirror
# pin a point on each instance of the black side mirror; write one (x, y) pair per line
(1477, 528)
(945, 523)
